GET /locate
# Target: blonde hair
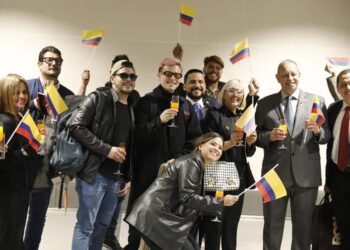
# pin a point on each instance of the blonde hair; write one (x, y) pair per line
(8, 88)
(233, 83)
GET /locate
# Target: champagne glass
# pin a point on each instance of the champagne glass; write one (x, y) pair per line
(239, 130)
(174, 104)
(2, 141)
(121, 145)
(218, 194)
(284, 127)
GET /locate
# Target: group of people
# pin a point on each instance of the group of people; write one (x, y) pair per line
(135, 135)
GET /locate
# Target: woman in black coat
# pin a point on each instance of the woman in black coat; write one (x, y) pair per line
(222, 121)
(167, 210)
(18, 169)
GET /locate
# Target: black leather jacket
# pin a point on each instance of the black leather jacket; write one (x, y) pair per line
(166, 211)
(97, 144)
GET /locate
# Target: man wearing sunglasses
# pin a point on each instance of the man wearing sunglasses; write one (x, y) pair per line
(109, 148)
(155, 141)
(49, 63)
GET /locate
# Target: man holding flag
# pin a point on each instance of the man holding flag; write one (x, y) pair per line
(299, 163)
(49, 63)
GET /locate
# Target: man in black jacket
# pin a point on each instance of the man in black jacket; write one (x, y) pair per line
(155, 141)
(109, 146)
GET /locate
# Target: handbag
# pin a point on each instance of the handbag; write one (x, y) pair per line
(221, 175)
(325, 234)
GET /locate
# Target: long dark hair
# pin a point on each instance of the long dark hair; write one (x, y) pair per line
(205, 138)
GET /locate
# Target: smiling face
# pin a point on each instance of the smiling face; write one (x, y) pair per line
(213, 72)
(211, 150)
(344, 87)
(21, 96)
(123, 86)
(171, 83)
(195, 86)
(288, 76)
(233, 96)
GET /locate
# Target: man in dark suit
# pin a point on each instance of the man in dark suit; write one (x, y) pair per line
(299, 163)
(338, 164)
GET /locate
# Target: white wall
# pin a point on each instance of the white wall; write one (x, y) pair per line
(303, 30)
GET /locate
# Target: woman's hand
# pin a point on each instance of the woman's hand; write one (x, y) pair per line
(229, 200)
(236, 137)
(253, 87)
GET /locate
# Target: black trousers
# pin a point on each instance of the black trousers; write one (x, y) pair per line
(13, 213)
(226, 230)
(340, 190)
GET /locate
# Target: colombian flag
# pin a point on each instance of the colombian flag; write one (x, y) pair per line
(240, 51)
(55, 100)
(92, 37)
(339, 61)
(271, 187)
(187, 14)
(247, 120)
(316, 114)
(29, 130)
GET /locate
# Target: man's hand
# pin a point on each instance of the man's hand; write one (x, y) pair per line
(167, 115)
(85, 77)
(313, 127)
(117, 154)
(125, 190)
(277, 135)
(253, 87)
(178, 51)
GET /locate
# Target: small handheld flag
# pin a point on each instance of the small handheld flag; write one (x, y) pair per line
(339, 61)
(55, 100)
(187, 14)
(271, 187)
(29, 130)
(240, 51)
(92, 37)
(247, 120)
(316, 114)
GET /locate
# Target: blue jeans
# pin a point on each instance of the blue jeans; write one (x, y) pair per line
(114, 222)
(38, 204)
(97, 202)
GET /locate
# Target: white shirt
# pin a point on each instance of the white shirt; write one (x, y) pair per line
(336, 133)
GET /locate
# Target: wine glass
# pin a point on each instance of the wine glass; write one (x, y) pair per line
(218, 194)
(121, 145)
(284, 127)
(239, 130)
(174, 104)
(2, 141)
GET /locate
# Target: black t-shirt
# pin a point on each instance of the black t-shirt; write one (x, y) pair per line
(121, 134)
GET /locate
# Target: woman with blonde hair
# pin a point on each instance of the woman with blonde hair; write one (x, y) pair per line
(222, 121)
(17, 170)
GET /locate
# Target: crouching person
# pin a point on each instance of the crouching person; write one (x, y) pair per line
(108, 143)
(165, 213)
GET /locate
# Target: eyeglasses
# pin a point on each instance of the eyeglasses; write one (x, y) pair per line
(170, 74)
(125, 76)
(344, 85)
(50, 60)
(235, 91)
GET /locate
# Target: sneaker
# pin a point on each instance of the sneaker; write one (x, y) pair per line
(112, 242)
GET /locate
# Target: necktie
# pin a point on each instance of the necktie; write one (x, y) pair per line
(198, 110)
(289, 114)
(343, 152)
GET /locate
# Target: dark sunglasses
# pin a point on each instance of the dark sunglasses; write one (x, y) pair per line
(170, 74)
(125, 76)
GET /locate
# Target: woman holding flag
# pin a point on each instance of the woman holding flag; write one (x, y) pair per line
(17, 170)
(223, 121)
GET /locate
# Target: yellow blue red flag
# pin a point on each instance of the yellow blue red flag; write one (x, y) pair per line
(240, 51)
(339, 61)
(29, 130)
(271, 186)
(316, 114)
(187, 14)
(92, 37)
(55, 100)
(247, 120)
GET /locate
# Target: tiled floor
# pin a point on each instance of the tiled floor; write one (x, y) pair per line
(59, 230)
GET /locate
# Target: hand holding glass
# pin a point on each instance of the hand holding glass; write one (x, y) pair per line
(174, 104)
(284, 127)
(122, 146)
(239, 130)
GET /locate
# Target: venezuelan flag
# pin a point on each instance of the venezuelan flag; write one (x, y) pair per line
(92, 37)
(240, 51)
(187, 14)
(247, 120)
(316, 114)
(29, 130)
(339, 61)
(271, 187)
(55, 100)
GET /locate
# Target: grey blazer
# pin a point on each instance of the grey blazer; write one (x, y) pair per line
(300, 162)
